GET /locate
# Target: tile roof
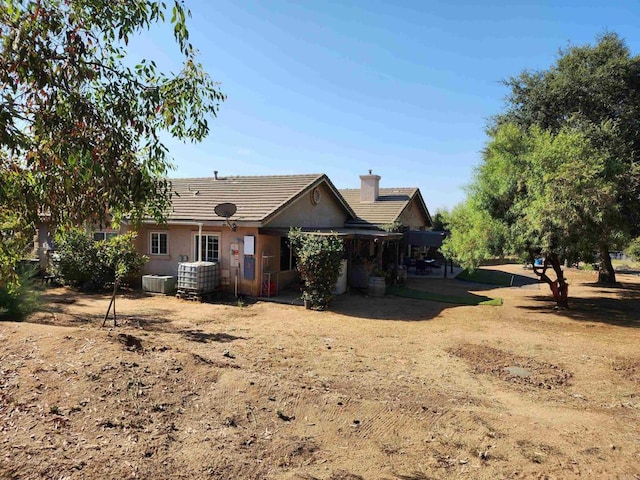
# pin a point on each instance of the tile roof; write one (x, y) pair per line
(385, 210)
(256, 197)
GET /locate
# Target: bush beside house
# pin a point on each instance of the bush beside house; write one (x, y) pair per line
(83, 263)
(319, 261)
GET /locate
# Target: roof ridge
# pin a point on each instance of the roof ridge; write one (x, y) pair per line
(385, 188)
(293, 175)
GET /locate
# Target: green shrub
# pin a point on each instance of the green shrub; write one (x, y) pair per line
(120, 257)
(319, 259)
(77, 261)
(24, 297)
(587, 267)
(88, 265)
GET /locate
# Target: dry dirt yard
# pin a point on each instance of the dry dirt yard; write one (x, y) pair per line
(388, 388)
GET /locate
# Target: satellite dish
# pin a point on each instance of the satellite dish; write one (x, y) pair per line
(225, 209)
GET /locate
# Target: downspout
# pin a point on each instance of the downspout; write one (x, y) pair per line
(199, 242)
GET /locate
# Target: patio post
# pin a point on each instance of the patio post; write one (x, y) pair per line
(395, 264)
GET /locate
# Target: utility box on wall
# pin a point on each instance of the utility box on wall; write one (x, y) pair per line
(234, 256)
(249, 268)
(249, 245)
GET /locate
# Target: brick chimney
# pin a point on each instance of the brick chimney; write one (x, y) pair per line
(369, 187)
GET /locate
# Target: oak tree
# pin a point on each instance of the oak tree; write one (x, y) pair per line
(594, 89)
(559, 177)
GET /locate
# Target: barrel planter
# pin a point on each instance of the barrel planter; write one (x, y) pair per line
(376, 287)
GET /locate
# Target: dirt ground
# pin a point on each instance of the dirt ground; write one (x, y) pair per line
(376, 388)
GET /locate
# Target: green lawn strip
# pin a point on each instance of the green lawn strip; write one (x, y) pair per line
(437, 297)
(500, 279)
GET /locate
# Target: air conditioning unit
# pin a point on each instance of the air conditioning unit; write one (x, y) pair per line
(159, 283)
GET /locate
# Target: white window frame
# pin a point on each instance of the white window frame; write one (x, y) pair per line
(204, 253)
(105, 235)
(151, 243)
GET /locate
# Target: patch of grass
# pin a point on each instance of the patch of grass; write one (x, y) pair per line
(490, 277)
(589, 267)
(626, 265)
(437, 297)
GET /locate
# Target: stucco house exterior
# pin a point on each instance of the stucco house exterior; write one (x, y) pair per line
(251, 245)
(251, 242)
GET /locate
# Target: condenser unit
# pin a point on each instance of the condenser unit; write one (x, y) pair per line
(159, 283)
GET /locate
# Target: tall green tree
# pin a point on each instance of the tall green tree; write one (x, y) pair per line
(539, 193)
(80, 127)
(560, 173)
(474, 235)
(594, 89)
(440, 220)
(568, 203)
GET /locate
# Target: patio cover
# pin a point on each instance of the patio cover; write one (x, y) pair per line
(420, 238)
(345, 233)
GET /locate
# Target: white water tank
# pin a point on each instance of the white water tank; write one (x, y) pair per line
(198, 277)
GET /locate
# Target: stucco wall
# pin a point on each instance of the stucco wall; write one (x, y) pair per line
(413, 217)
(181, 242)
(303, 212)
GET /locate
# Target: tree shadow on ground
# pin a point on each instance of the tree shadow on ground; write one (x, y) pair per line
(56, 311)
(621, 308)
(155, 320)
(204, 337)
(358, 304)
(498, 278)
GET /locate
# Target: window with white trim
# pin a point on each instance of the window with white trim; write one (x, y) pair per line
(159, 243)
(101, 236)
(210, 247)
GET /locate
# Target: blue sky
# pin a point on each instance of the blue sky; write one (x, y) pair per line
(404, 88)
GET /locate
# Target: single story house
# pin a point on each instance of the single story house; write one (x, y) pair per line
(251, 244)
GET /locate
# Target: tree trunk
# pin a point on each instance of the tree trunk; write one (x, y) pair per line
(112, 303)
(606, 273)
(559, 287)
